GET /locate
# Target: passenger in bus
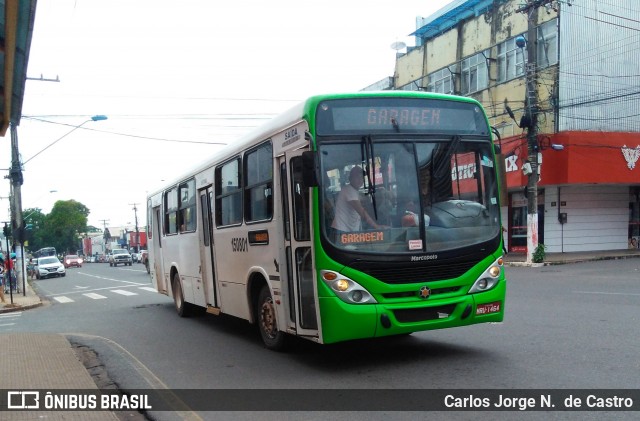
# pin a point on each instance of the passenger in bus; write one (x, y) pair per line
(349, 212)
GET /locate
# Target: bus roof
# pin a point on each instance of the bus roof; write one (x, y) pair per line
(300, 111)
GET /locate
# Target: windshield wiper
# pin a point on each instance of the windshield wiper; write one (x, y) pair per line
(371, 181)
(442, 166)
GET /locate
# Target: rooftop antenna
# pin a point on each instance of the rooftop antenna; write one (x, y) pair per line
(398, 45)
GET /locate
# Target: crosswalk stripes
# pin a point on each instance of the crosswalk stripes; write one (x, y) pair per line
(9, 319)
(94, 296)
(123, 292)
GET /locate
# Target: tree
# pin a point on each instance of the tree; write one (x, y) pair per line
(36, 218)
(67, 220)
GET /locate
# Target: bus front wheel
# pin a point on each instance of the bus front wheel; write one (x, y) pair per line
(273, 338)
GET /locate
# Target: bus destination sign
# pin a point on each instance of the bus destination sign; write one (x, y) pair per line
(411, 116)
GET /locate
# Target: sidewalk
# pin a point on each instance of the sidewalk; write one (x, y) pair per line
(21, 301)
(44, 361)
(519, 259)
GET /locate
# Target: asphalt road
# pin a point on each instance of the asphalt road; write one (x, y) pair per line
(572, 326)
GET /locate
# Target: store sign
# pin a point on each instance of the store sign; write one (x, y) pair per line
(631, 155)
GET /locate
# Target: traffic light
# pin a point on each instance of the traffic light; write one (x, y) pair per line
(26, 233)
(6, 231)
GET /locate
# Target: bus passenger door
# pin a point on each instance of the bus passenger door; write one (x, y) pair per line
(158, 270)
(207, 269)
(302, 295)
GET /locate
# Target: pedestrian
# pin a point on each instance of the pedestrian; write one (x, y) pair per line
(9, 273)
(1, 287)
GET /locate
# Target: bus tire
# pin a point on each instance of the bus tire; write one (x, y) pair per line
(182, 307)
(273, 338)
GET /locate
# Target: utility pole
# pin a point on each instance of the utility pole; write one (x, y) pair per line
(135, 212)
(104, 234)
(531, 10)
(17, 224)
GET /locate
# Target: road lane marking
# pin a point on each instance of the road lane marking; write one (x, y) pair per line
(94, 296)
(62, 299)
(606, 293)
(110, 279)
(149, 289)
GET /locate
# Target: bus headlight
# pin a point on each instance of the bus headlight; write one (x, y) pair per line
(341, 285)
(488, 279)
(346, 289)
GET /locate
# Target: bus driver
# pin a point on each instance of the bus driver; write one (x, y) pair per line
(349, 211)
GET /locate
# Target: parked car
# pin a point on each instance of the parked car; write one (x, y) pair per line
(48, 267)
(72, 261)
(120, 256)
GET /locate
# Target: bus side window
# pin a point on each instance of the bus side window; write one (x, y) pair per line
(171, 211)
(187, 214)
(258, 171)
(300, 202)
(228, 194)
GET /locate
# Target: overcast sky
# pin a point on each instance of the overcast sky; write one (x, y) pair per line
(177, 80)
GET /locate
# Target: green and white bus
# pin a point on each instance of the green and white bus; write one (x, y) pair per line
(252, 231)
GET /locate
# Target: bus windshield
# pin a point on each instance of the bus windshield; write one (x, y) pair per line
(420, 194)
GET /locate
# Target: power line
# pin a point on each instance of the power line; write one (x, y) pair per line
(131, 135)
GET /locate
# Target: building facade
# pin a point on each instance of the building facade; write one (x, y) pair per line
(586, 77)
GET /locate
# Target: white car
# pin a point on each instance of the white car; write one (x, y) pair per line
(120, 256)
(49, 266)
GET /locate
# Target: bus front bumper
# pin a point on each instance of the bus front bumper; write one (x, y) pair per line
(342, 321)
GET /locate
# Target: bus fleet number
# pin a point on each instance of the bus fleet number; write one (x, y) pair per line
(239, 244)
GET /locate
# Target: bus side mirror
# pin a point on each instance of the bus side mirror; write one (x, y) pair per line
(309, 169)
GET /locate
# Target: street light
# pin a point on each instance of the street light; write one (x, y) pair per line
(24, 218)
(98, 117)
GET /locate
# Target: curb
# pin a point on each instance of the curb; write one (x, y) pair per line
(569, 261)
(18, 307)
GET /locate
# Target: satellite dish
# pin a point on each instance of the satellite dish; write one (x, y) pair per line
(398, 45)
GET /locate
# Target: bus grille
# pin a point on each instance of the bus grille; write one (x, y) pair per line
(391, 273)
(421, 314)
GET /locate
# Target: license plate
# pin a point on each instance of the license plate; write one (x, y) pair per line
(488, 308)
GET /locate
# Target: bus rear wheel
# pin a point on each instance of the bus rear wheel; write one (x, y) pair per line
(273, 338)
(178, 297)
